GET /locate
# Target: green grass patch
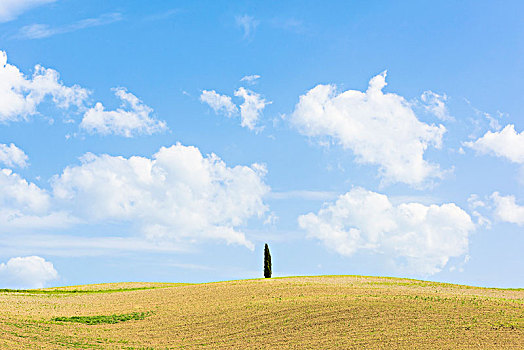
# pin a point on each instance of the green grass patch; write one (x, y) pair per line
(72, 291)
(104, 319)
(81, 291)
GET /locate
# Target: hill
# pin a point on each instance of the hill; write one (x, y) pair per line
(337, 312)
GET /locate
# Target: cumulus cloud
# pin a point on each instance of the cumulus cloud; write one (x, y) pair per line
(250, 110)
(252, 107)
(25, 205)
(17, 192)
(177, 195)
(248, 25)
(506, 209)
(133, 118)
(20, 95)
(12, 156)
(424, 236)
(380, 128)
(27, 272)
(11, 9)
(40, 31)
(221, 104)
(436, 104)
(506, 143)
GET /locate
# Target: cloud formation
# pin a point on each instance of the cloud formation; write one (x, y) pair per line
(178, 195)
(40, 31)
(248, 25)
(425, 237)
(135, 120)
(11, 9)
(380, 128)
(252, 107)
(221, 104)
(27, 272)
(506, 143)
(20, 95)
(506, 209)
(436, 105)
(16, 192)
(250, 110)
(25, 205)
(12, 156)
(251, 79)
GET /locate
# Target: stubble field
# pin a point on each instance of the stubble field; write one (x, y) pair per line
(328, 312)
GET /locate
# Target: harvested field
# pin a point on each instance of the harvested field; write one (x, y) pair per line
(328, 312)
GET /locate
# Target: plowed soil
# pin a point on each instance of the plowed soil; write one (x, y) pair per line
(327, 312)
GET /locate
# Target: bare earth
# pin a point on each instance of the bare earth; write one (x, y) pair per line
(328, 312)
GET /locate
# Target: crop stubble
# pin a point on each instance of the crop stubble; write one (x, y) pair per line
(299, 312)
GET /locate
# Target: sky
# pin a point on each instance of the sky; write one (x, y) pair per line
(169, 140)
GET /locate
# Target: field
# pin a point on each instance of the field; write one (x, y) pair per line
(328, 312)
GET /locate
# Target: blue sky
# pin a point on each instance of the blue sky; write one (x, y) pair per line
(169, 141)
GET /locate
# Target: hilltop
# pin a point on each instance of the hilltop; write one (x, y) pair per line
(295, 312)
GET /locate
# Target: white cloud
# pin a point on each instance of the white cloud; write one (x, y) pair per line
(20, 96)
(494, 123)
(27, 272)
(12, 156)
(250, 79)
(248, 25)
(380, 128)
(178, 195)
(136, 120)
(436, 104)
(507, 210)
(25, 205)
(251, 108)
(11, 9)
(219, 103)
(506, 143)
(36, 31)
(16, 192)
(40, 31)
(475, 204)
(425, 237)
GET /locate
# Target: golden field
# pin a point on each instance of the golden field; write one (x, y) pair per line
(326, 312)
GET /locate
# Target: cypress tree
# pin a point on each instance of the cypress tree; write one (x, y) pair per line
(267, 262)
